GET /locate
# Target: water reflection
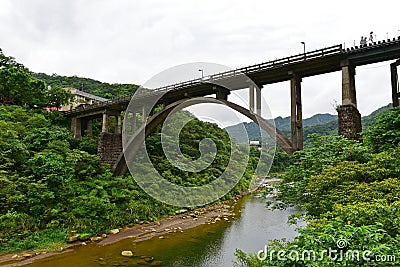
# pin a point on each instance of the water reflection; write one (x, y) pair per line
(252, 231)
(206, 245)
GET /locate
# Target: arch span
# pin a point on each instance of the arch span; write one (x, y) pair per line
(120, 167)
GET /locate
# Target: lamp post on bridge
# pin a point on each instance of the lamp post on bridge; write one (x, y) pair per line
(304, 49)
(202, 74)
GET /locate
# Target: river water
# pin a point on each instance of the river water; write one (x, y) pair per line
(205, 245)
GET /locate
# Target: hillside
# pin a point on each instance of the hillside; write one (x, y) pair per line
(283, 124)
(98, 88)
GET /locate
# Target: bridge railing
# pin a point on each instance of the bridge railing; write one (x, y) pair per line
(357, 48)
(328, 51)
(312, 55)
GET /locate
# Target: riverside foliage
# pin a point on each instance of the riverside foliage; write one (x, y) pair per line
(350, 191)
(51, 183)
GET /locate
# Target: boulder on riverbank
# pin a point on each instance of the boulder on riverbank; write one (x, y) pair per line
(72, 238)
(114, 231)
(127, 253)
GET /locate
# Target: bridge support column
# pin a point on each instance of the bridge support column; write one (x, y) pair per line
(118, 124)
(258, 101)
(255, 102)
(144, 115)
(349, 118)
(130, 123)
(251, 98)
(109, 147)
(395, 83)
(104, 126)
(296, 112)
(134, 121)
(76, 127)
(348, 84)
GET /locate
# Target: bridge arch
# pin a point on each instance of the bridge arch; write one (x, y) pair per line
(120, 168)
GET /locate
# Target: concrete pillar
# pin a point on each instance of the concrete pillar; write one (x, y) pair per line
(76, 127)
(251, 98)
(104, 125)
(118, 124)
(348, 84)
(296, 112)
(349, 118)
(129, 123)
(395, 84)
(258, 101)
(134, 121)
(144, 115)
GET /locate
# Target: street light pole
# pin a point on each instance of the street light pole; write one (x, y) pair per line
(304, 49)
(202, 74)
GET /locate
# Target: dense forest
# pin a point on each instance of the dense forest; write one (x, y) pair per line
(52, 184)
(349, 191)
(102, 89)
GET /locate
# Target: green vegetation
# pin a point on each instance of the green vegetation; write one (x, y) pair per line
(105, 90)
(284, 124)
(50, 185)
(350, 192)
(18, 87)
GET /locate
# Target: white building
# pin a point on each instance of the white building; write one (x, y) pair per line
(82, 98)
(255, 144)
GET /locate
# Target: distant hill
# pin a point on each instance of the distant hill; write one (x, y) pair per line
(371, 118)
(322, 124)
(283, 124)
(98, 88)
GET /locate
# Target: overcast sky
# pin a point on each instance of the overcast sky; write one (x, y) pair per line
(129, 41)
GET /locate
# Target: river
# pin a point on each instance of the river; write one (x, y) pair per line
(205, 245)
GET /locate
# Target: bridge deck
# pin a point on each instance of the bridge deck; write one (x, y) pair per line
(306, 64)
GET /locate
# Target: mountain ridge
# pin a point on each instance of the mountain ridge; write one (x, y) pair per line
(321, 123)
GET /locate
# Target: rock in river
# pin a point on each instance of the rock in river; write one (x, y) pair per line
(127, 253)
(114, 231)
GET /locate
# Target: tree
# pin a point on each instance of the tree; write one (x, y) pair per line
(348, 194)
(10, 62)
(17, 85)
(57, 96)
(385, 134)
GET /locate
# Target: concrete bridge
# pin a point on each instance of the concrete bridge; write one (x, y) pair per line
(293, 69)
